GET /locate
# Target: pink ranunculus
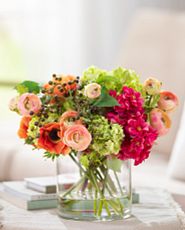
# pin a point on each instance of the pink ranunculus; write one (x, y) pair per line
(29, 102)
(168, 101)
(160, 121)
(77, 137)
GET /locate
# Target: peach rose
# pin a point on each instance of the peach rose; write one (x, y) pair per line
(65, 120)
(168, 101)
(28, 102)
(160, 121)
(51, 141)
(92, 90)
(77, 137)
(24, 124)
(66, 117)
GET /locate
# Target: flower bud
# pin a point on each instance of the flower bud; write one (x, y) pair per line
(92, 90)
(152, 86)
(13, 104)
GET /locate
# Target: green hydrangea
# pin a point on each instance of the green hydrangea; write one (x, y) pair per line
(107, 137)
(33, 130)
(114, 79)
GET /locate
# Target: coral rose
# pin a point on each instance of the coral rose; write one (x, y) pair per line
(160, 121)
(168, 101)
(22, 132)
(28, 102)
(77, 137)
(51, 141)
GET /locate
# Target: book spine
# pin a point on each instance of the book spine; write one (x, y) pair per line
(41, 204)
(43, 197)
(29, 196)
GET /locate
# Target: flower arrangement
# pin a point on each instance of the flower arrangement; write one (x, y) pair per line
(102, 116)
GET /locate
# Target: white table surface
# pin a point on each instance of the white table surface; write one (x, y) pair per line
(156, 210)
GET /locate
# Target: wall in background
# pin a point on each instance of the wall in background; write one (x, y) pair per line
(67, 35)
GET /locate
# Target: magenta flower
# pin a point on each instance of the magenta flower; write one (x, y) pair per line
(136, 127)
(131, 106)
(139, 135)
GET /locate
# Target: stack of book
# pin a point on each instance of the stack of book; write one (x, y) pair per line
(34, 193)
(38, 192)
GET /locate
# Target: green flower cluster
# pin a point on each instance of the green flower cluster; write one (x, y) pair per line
(33, 130)
(107, 137)
(114, 79)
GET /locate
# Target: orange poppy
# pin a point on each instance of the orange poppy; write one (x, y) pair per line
(50, 140)
(22, 132)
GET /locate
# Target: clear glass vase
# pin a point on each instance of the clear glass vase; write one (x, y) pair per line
(102, 192)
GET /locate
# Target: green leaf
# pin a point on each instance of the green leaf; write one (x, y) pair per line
(52, 156)
(105, 100)
(29, 140)
(114, 164)
(28, 87)
(84, 161)
(21, 89)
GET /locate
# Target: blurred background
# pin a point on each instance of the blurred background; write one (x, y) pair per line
(42, 37)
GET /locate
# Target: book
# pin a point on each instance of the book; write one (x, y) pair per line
(48, 184)
(19, 189)
(27, 204)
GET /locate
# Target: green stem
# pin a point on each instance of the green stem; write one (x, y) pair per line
(105, 180)
(73, 187)
(112, 203)
(95, 203)
(76, 162)
(107, 207)
(114, 206)
(100, 208)
(149, 101)
(95, 183)
(119, 185)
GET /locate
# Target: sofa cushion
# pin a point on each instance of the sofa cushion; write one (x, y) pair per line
(176, 167)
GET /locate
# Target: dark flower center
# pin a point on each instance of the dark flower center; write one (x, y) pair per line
(53, 135)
